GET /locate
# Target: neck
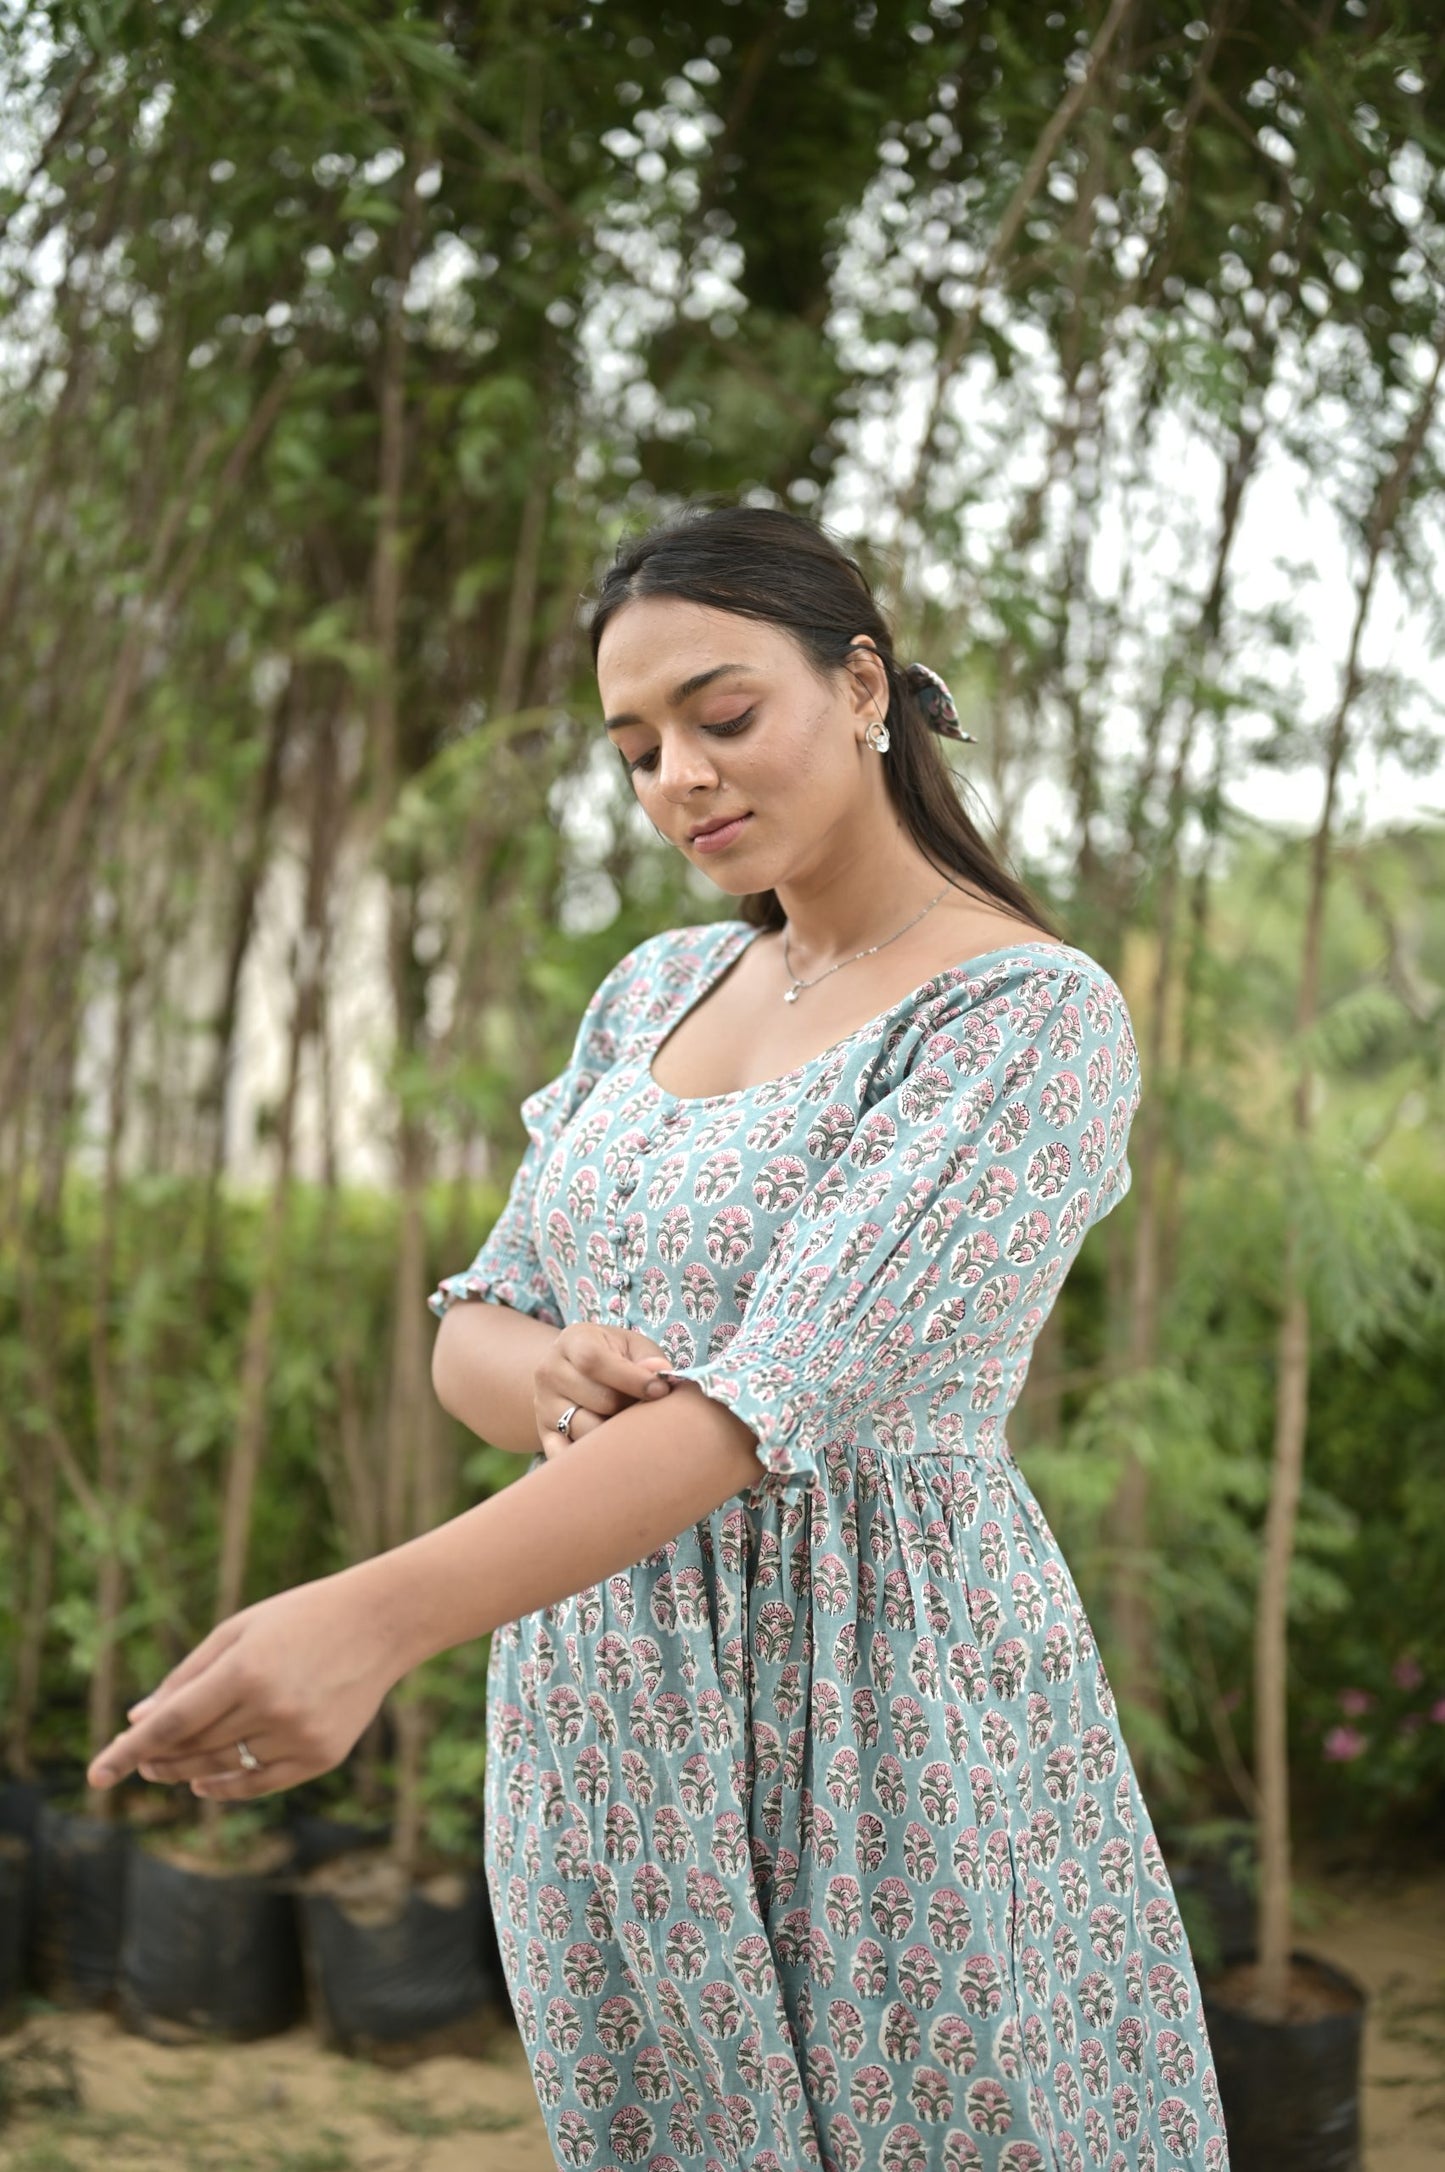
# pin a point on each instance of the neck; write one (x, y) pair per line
(837, 915)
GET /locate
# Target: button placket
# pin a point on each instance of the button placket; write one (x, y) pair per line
(626, 1179)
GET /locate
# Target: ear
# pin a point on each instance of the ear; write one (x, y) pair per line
(869, 680)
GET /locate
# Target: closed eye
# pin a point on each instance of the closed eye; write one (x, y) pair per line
(729, 730)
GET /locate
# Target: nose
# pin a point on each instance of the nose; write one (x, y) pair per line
(683, 764)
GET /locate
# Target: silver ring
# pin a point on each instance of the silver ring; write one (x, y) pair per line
(250, 1762)
(566, 1419)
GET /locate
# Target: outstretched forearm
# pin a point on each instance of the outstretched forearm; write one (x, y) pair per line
(483, 1363)
(298, 1676)
(640, 1479)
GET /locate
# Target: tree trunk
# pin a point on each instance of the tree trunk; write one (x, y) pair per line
(522, 597)
(104, 1703)
(170, 568)
(1149, 1144)
(1079, 94)
(37, 1551)
(245, 1462)
(410, 1489)
(214, 1097)
(1271, 1744)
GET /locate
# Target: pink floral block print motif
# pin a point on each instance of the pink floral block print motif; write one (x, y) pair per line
(812, 1839)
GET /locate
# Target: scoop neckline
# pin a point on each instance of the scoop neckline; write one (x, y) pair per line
(784, 1078)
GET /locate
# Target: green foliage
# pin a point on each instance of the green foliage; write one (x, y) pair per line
(232, 1835)
(343, 344)
(178, 1362)
(456, 1757)
(1370, 1199)
(1376, 1442)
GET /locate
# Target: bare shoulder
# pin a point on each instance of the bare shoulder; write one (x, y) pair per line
(966, 930)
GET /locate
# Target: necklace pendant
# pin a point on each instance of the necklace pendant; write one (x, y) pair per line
(790, 995)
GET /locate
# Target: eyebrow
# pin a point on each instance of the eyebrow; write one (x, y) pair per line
(679, 694)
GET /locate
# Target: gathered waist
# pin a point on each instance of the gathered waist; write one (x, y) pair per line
(965, 1452)
(950, 1440)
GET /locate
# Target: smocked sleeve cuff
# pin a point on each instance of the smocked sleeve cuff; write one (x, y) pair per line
(498, 1282)
(788, 1417)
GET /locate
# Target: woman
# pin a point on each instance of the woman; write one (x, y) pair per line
(810, 1832)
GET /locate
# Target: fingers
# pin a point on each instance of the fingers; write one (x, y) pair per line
(222, 1764)
(559, 1385)
(205, 1654)
(587, 1361)
(240, 1786)
(210, 1754)
(556, 1444)
(640, 1349)
(206, 1708)
(598, 1371)
(560, 1382)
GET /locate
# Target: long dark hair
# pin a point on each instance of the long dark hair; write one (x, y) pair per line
(764, 563)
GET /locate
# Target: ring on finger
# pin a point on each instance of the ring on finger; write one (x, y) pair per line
(564, 1423)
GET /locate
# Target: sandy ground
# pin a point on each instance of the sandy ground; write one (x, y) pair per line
(1390, 1933)
(286, 2105)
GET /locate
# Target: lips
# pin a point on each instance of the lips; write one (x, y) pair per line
(723, 822)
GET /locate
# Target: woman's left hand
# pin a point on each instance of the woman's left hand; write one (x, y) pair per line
(296, 1678)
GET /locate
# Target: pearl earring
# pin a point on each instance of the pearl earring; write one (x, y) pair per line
(876, 736)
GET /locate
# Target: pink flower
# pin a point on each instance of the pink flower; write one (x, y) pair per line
(1408, 1672)
(1437, 1711)
(1344, 1743)
(1355, 1701)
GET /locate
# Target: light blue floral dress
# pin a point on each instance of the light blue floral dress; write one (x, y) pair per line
(812, 1838)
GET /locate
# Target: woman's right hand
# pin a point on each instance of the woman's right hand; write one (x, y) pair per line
(601, 1369)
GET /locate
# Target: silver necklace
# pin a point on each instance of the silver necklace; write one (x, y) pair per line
(790, 995)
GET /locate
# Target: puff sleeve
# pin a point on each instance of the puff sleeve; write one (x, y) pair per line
(508, 1269)
(923, 1258)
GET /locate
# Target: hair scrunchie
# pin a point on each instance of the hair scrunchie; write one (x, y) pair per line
(940, 711)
